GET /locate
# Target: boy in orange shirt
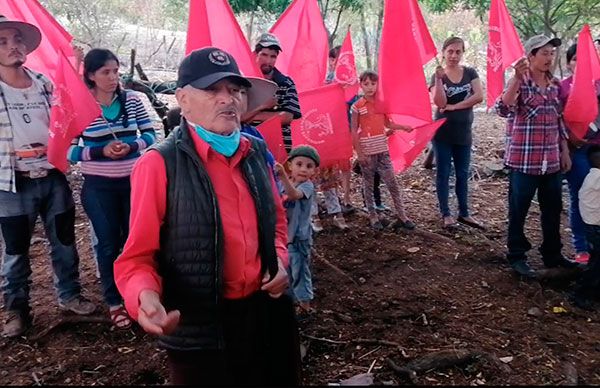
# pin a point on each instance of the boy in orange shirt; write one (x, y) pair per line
(370, 131)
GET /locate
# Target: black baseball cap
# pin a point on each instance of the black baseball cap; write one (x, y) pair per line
(203, 67)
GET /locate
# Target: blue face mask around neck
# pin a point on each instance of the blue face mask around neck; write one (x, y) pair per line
(225, 145)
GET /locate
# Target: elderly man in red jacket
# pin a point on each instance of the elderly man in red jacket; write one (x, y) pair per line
(204, 266)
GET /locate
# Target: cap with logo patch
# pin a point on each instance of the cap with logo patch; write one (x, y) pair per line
(202, 68)
(207, 66)
(538, 41)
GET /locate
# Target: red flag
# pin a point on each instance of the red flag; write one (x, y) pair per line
(324, 124)
(402, 87)
(422, 36)
(504, 49)
(304, 41)
(55, 38)
(582, 104)
(220, 30)
(271, 132)
(345, 69)
(73, 109)
(405, 147)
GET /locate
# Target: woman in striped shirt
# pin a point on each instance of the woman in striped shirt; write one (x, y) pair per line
(107, 150)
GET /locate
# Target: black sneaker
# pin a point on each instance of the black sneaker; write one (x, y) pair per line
(581, 301)
(522, 268)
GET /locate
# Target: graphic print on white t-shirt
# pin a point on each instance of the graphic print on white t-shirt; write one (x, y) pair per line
(29, 117)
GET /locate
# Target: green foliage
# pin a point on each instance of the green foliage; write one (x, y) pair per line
(562, 18)
(269, 6)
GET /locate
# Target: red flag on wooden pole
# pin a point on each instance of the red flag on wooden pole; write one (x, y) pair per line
(305, 45)
(212, 23)
(402, 87)
(55, 38)
(504, 49)
(324, 124)
(402, 90)
(345, 68)
(73, 106)
(73, 109)
(271, 132)
(582, 104)
(425, 43)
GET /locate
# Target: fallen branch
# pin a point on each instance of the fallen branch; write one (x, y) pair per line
(438, 360)
(67, 321)
(333, 267)
(433, 236)
(327, 340)
(362, 341)
(402, 372)
(369, 341)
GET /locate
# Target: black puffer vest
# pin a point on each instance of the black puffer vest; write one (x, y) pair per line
(191, 247)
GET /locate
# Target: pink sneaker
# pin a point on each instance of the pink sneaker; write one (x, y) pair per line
(582, 257)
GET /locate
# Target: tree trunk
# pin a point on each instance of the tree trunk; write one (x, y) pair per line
(378, 33)
(250, 27)
(363, 26)
(333, 34)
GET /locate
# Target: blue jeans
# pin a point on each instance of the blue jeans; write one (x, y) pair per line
(521, 190)
(49, 197)
(301, 288)
(445, 153)
(106, 202)
(579, 170)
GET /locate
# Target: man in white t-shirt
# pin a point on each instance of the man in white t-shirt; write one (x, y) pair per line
(29, 185)
(588, 285)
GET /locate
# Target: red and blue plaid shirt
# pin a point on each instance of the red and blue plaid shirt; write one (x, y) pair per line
(534, 128)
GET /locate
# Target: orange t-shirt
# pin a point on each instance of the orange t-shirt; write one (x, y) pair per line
(371, 127)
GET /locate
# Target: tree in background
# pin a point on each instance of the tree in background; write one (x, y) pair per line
(561, 18)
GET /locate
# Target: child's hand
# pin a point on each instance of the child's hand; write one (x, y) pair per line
(279, 169)
(406, 128)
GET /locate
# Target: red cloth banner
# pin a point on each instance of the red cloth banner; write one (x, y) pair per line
(427, 50)
(402, 87)
(324, 124)
(405, 147)
(220, 30)
(271, 132)
(55, 38)
(582, 104)
(305, 44)
(73, 109)
(504, 49)
(345, 69)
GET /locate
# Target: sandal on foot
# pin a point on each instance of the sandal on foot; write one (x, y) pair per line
(449, 225)
(120, 318)
(472, 224)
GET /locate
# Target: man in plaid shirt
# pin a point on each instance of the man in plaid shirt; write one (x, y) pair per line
(536, 153)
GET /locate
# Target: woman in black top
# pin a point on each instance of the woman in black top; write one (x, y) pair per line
(455, 89)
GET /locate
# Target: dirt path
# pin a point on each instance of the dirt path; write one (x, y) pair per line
(406, 296)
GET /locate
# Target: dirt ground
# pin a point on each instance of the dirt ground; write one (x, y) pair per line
(392, 297)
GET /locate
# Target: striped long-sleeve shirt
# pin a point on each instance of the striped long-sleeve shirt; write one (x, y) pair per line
(287, 101)
(88, 148)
